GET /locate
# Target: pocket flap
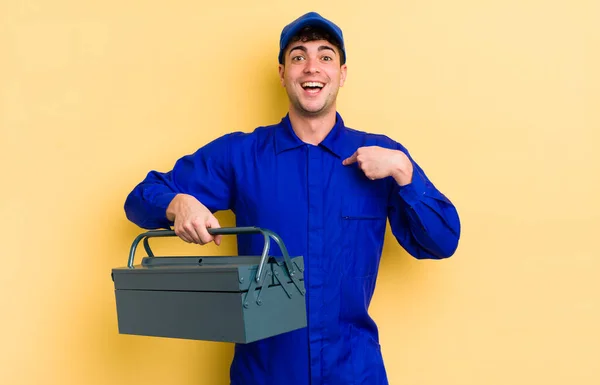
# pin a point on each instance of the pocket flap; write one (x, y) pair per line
(364, 207)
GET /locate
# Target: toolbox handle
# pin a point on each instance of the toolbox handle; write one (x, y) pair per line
(268, 234)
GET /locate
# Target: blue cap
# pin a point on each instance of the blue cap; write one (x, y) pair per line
(312, 19)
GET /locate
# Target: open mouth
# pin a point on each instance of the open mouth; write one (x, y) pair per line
(312, 87)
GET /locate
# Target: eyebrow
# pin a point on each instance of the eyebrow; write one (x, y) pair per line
(321, 48)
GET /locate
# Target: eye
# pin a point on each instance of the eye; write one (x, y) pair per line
(297, 58)
(327, 58)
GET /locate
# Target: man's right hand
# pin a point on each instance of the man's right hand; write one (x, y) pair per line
(191, 219)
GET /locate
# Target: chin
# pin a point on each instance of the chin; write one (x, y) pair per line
(312, 109)
(307, 112)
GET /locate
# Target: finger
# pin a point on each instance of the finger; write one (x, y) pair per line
(205, 236)
(351, 159)
(190, 229)
(213, 223)
(370, 172)
(182, 234)
(191, 232)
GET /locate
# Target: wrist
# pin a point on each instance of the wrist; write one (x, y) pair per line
(401, 178)
(402, 170)
(173, 207)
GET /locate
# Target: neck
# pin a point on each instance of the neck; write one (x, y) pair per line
(312, 129)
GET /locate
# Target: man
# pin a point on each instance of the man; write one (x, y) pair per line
(327, 190)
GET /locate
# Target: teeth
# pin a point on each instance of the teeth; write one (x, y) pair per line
(312, 84)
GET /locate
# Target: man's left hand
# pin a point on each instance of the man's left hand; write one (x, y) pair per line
(378, 162)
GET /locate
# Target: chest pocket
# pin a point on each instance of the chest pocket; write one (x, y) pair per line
(364, 207)
(364, 219)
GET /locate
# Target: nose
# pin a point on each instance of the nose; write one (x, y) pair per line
(311, 66)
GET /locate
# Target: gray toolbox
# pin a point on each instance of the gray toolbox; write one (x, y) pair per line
(212, 298)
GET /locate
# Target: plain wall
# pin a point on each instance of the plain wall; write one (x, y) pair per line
(497, 100)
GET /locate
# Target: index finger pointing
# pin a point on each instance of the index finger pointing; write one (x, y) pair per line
(350, 160)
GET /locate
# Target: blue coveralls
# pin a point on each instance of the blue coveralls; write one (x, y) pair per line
(332, 215)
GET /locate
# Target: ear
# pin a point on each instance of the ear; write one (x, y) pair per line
(281, 74)
(343, 73)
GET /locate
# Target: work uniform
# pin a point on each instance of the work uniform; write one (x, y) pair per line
(332, 215)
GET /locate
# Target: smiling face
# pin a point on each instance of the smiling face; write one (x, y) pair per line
(312, 76)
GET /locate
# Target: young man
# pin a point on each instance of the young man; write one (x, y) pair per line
(327, 190)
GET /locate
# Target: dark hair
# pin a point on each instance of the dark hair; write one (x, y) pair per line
(311, 34)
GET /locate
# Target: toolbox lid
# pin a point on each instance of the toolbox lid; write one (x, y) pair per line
(198, 273)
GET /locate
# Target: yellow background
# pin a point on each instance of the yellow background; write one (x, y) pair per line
(497, 100)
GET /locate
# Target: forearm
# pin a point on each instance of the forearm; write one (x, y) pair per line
(425, 222)
(204, 175)
(147, 204)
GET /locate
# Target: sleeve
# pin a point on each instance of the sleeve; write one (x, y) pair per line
(207, 175)
(423, 220)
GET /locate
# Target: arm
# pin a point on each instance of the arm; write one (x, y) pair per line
(198, 185)
(422, 219)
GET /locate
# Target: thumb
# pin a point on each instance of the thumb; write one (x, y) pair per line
(350, 160)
